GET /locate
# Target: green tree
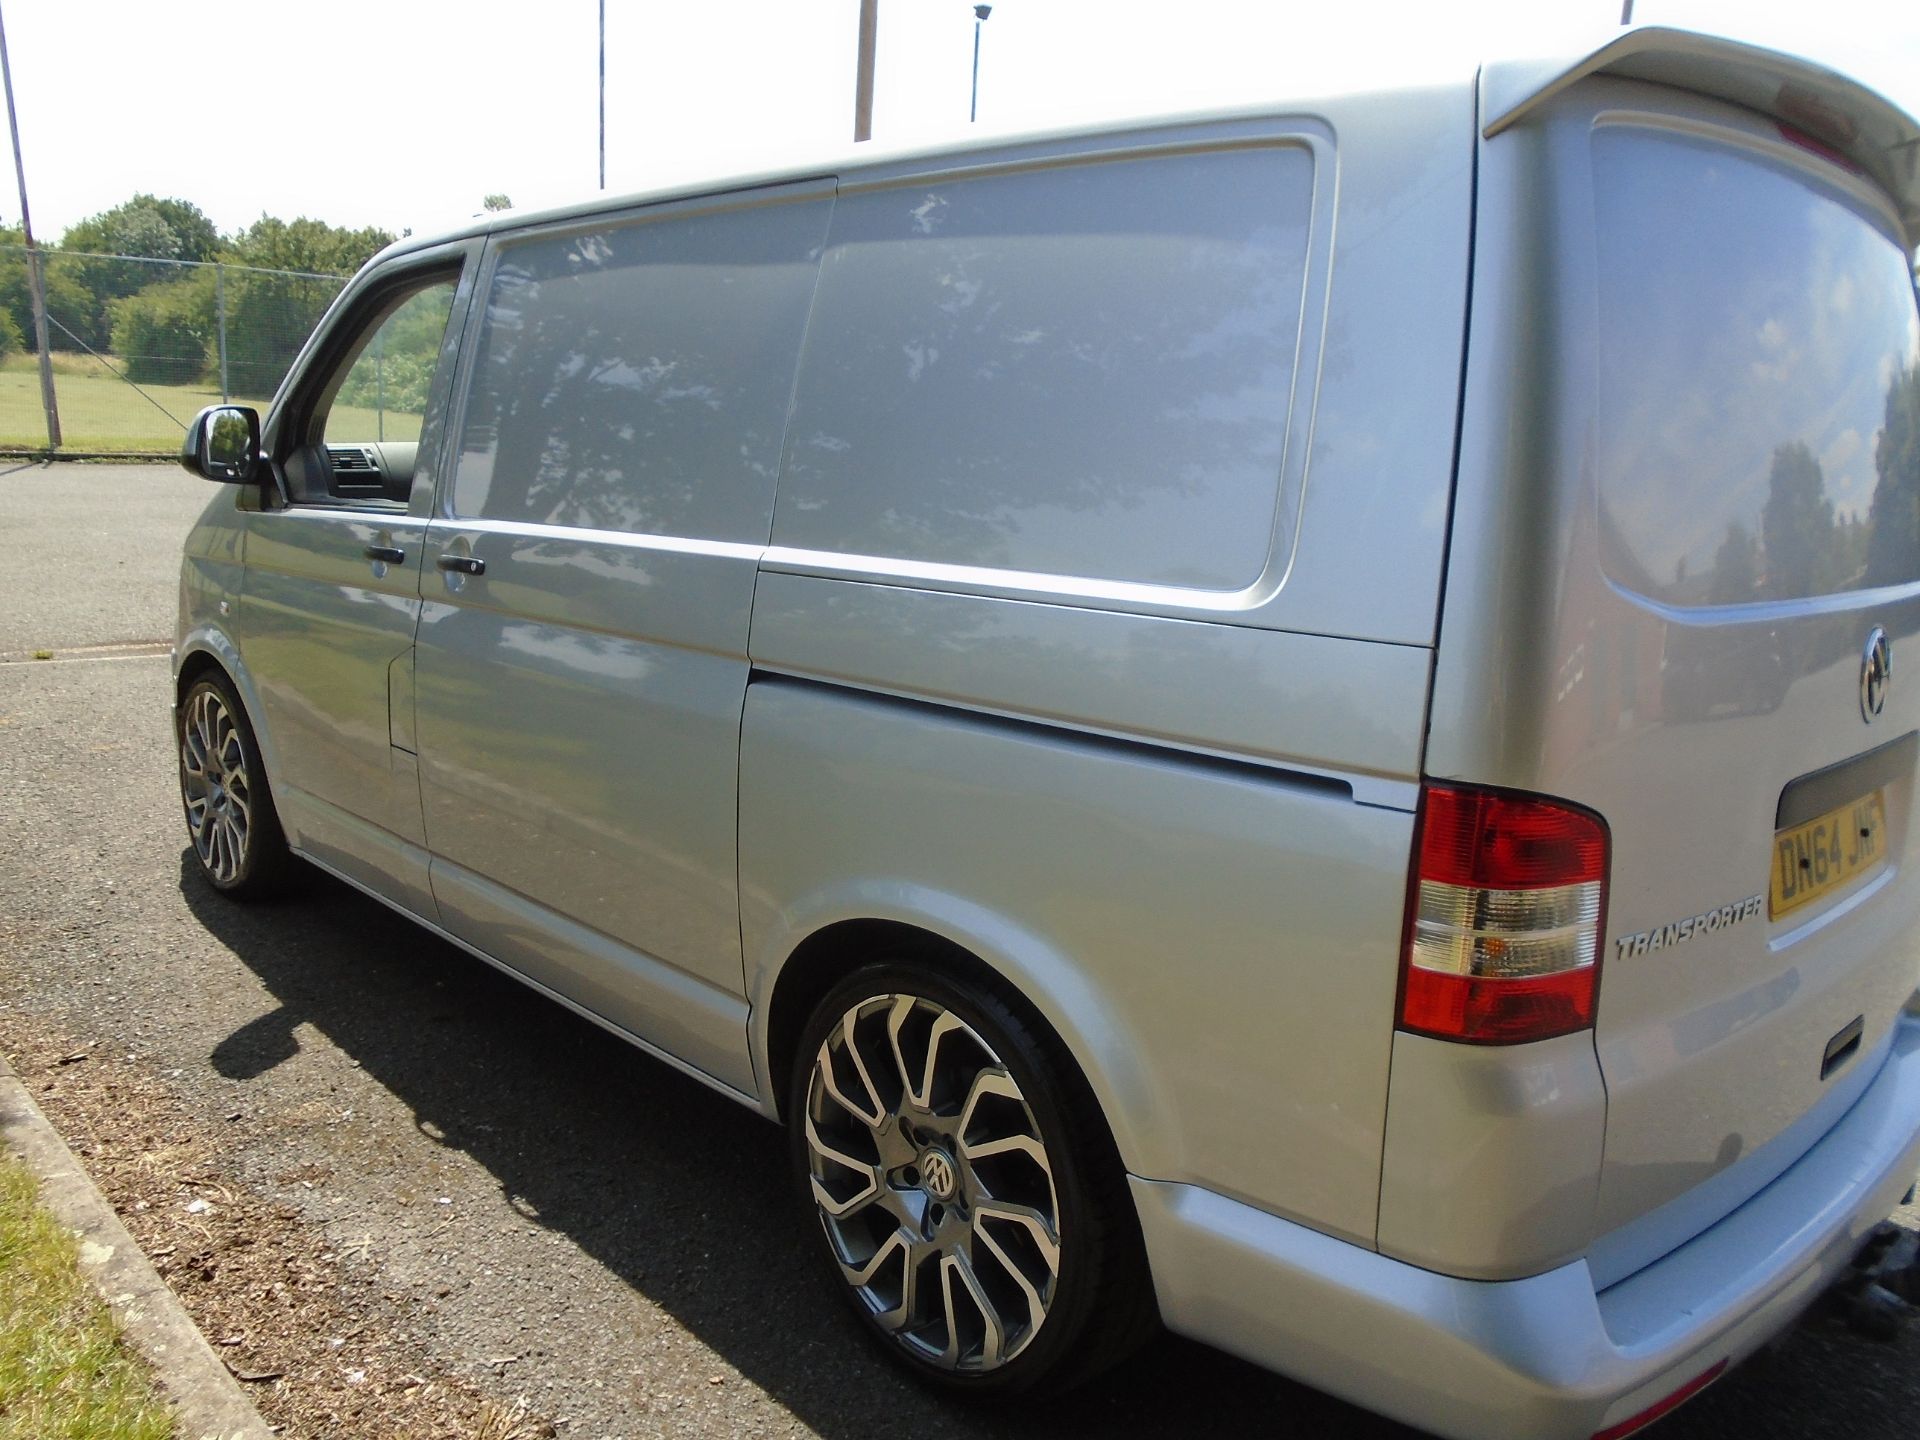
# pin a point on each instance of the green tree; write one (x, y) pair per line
(270, 316)
(164, 334)
(67, 301)
(309, 245)
(498, 201)
(145, 228)
(149, 226)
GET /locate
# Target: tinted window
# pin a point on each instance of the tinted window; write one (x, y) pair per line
(1759, 397)
(1082, 370)
(637, 378)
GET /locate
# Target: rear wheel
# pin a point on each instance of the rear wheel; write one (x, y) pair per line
(231, 818)
(970, 1201)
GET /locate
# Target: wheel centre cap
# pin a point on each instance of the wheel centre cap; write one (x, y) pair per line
(937, 1174)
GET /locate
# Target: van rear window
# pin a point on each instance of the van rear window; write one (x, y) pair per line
(1084, 370)
(1759, 358)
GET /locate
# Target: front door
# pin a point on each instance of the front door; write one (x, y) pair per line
(332, 590)
(582, 660)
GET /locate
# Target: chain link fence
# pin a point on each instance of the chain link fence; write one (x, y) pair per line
(139, 346)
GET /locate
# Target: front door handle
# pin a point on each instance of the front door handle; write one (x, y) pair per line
(462, 564)
(386, 554)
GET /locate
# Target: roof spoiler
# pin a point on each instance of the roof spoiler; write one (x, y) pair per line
(1860, 124)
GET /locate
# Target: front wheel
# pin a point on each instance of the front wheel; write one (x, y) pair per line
(231, 818)
(970, 1201)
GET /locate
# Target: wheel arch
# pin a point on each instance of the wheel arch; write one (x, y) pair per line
(1053, 993)
(206, 649)
(192, 667)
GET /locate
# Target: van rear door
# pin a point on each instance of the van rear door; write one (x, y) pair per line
(1757, 462)
(1687, 542)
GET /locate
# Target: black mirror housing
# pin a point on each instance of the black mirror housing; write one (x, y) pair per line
(223, 445)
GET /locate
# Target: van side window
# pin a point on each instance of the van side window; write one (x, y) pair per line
(1083, 371)
(358, 441)
(384, 393)
(637, 378)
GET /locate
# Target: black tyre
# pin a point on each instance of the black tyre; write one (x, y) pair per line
(971, 1203)
(231, 818)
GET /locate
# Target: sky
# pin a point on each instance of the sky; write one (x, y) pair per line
(405, 114)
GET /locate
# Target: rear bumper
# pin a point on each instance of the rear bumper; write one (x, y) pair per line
(1546, 1356)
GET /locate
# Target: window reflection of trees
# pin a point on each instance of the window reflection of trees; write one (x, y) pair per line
(1156, 302)
(1758, 348)
(1805, 547)
(1893, 521)
(636, 379)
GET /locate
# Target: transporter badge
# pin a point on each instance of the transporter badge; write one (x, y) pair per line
(1662, 937)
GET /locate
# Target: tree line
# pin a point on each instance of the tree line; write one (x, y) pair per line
(162, 322)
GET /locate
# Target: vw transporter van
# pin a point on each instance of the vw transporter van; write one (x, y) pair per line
(1279, 722)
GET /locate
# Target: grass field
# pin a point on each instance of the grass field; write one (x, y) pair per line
(100, 411)
(64, 1374)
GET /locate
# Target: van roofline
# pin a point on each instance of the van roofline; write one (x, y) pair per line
(1852, 119)
(856, 162)
(1858, 122)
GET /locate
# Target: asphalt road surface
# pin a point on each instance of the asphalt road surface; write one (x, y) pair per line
(555, 1216)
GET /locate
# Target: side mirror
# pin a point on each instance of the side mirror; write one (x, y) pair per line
(223, 444)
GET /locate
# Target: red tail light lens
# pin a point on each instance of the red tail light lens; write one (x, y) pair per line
(1503, 928)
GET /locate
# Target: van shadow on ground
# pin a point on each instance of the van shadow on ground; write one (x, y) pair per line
(683, 1195)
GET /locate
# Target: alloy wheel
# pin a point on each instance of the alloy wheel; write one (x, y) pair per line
(933, 1183)
(215, 785)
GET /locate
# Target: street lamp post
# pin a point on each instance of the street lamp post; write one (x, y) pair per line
(603, 94)
(863, 71)
(980, 13)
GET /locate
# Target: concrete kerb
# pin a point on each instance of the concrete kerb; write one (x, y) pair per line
(208, 1402)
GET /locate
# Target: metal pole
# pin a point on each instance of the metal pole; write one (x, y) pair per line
(603, 93)
(1626, 12)
(220, 308)
(380, 380)
(980, 13)
(863, 71)
(35, 280)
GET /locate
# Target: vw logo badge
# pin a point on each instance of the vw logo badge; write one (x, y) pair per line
(1876, 674)
(936, 1171)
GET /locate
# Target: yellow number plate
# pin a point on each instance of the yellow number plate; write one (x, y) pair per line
(1822, 855)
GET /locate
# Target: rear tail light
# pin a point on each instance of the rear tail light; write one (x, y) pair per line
(1503, 924)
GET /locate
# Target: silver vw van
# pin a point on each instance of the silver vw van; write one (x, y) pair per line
(1277, 722)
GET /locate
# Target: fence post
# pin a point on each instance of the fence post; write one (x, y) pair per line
(220, 305)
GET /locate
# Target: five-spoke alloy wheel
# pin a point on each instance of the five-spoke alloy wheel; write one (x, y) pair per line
(931, 1133)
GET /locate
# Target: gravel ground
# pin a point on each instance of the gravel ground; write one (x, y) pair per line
(410, 1197)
